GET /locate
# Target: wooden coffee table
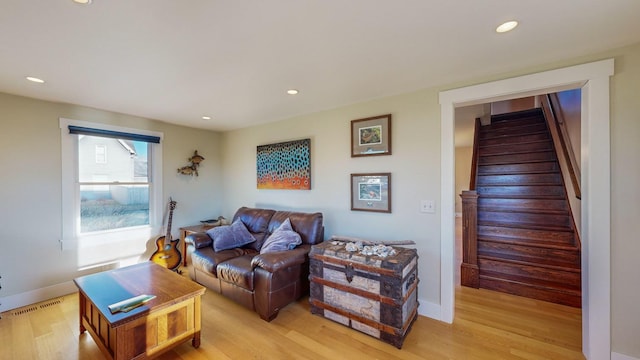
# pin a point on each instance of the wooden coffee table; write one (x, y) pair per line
(164, 322)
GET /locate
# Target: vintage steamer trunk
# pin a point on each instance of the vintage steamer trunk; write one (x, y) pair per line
(374, 295)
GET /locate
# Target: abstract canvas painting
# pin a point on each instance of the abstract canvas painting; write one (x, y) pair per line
(285, 165)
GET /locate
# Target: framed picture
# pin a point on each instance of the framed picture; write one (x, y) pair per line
(285, 165)
(371, 192)
(371, 136)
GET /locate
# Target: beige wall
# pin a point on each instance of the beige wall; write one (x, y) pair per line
(30, 217)
(463, 173)
(415, 172)
(414, 166)
(625, 202)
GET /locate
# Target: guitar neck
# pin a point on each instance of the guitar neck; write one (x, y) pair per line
(172, 205)
(168, 237)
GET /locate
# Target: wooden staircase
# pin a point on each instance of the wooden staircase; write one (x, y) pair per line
(526, 239)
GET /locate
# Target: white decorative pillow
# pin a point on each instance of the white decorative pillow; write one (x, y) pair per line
(283, 238)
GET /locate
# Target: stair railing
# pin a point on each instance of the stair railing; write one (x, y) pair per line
(474, 157)
(558, 128)
(551, 108)
(469, 271)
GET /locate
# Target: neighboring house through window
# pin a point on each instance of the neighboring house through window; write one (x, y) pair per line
(111, 188)
(113, 194)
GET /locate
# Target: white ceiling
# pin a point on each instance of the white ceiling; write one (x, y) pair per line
(177, 60)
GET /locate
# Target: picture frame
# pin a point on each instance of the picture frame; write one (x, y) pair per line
(371, 192)
(371, 136)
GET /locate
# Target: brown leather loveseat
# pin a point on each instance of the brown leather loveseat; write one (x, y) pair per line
(263, 282)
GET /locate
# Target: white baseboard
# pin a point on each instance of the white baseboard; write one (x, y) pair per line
(429, 309)
(616, 356)
(30, 297)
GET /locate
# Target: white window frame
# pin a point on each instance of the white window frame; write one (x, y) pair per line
(71, 237)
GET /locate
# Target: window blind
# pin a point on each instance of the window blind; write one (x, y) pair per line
(80, 130)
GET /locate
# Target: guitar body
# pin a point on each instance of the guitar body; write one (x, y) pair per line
(167, 254)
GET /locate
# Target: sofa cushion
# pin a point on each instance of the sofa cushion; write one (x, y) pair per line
(307, 225)
(231, 236)
(237, 271)
(207, 260)
(282, 239)
(257, 222)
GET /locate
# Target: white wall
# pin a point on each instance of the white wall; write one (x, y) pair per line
(30, 219)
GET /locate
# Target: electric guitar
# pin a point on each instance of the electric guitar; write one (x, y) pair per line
(166, 253)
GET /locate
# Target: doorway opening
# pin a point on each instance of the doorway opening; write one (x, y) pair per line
(593, 80)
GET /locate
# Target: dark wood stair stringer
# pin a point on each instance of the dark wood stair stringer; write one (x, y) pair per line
(526, 239)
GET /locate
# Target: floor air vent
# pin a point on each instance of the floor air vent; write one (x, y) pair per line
(36, 307)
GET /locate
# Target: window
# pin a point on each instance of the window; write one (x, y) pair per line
(111, 179)
(114, 194)
(101, 154)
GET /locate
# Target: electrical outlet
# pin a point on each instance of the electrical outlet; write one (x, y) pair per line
(427, 206)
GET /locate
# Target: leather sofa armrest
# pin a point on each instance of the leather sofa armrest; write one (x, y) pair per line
(272, 262)
(198, 240)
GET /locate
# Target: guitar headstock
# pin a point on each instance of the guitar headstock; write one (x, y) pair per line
(172, 204)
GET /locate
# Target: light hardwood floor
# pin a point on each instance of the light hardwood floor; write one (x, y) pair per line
(487, 325)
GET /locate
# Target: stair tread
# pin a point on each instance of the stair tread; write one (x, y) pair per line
(544, 166)
(566, 266)
(520, 143)
(514, 139)
(556, 245)
(541, 177)
(522, 225)
(566, 256)
(506, 132)
(531, 237)
(510, 162)
(523, 185)
(536, 132)
(505, 184)
(524, 197)
(524, 210)
(538, 283)
(503, 159)
(513, 172)
(514, 120)
(509, 156)
(516, 114)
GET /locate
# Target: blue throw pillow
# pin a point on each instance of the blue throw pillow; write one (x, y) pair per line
(230, 236)
(283, 238)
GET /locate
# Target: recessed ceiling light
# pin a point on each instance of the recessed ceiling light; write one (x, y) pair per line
(84, 2)
(206, 118)
(292, 91)
(35, 79)
(508, 26)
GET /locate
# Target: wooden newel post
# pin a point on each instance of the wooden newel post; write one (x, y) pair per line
(469, 273)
